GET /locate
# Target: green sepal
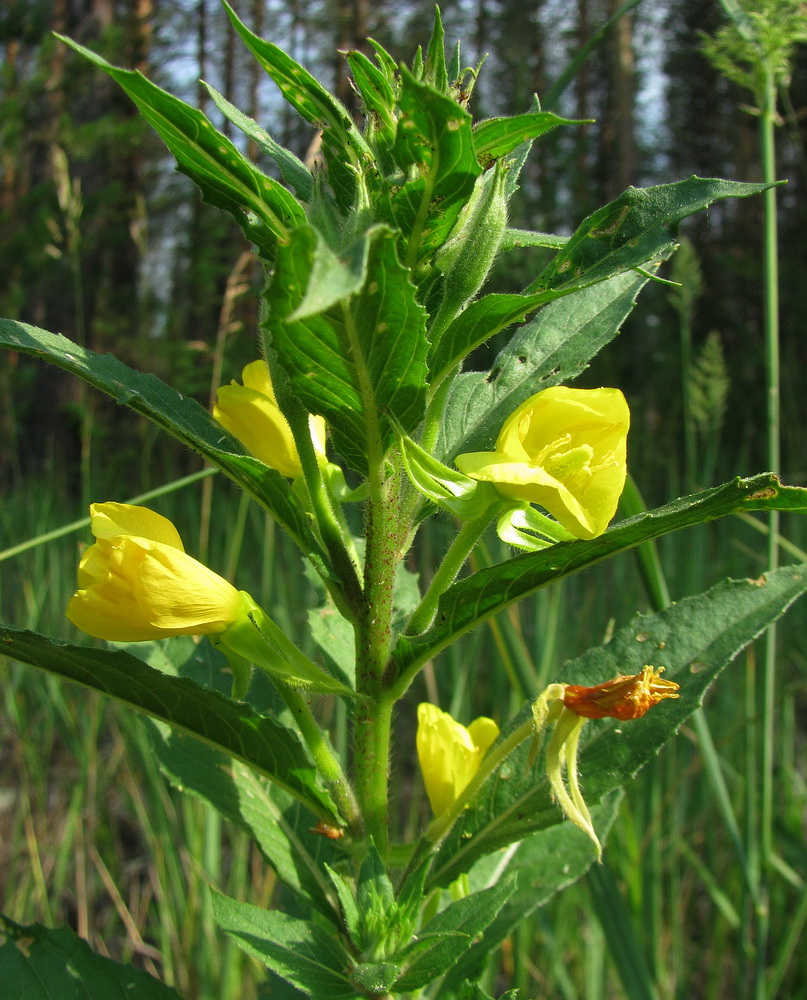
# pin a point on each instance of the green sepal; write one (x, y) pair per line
(465, 498)
(526, 528)
(257, 639)
(468, 254)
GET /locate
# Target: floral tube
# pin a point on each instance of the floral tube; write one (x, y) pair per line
(564, 449)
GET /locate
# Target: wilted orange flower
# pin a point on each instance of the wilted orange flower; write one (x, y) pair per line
(625, 697)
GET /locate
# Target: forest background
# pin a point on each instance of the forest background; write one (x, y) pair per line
(101, 240)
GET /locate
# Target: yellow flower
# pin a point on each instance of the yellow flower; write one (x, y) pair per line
(450, 754)
(565, 450)
(250, 413)
(136, 582)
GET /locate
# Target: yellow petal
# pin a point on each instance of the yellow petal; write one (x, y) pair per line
(449, 754)
(564, 449)
(250, 413)
(133, 588)
(107, 520)
(259, 425)
(256, 376)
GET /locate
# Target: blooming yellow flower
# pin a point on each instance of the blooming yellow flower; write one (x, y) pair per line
(565, 450)
(250, 413)
(137, 582)
(450, 754)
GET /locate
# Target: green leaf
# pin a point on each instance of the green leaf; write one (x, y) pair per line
(43, 963)
(434, 135)
(639, 226)
(451, 933)
(363, 358)
(434, 71)
(226, 179)
(274, 820)
(552, 349)
(694, 639)
(181, 416)
(303, 953)
(477, 597)
(376, 92)
(473, 991)
(544, 864)
(231, 727)
(343, 146)
(294, 171)
(482, 320)
(496, 137)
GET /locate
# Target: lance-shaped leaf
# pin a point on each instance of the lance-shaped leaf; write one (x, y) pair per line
(179, 415)
(44, 963)
(229, 726)
(275, 821)
(358, 360)
(482, 320)
(377, 93)
(693, 639)
(343, 146)
(484, 593)
(434, 147)
(264, 209)
(543, 863)
(640, 225)
(496, 137)
(550, 350)
(303, 953)
(295, 172)
(448, 935)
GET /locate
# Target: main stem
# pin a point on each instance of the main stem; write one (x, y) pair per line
(374, 712)
(373, 629)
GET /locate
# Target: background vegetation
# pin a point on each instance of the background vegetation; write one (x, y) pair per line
(103, 242)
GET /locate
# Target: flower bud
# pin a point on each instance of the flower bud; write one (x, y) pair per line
(449, 754)
(468, 256)
(250, 413)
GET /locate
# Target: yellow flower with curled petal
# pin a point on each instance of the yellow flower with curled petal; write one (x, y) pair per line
(250, 413)
(449, 754)
(137, 582)
(564, 449)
